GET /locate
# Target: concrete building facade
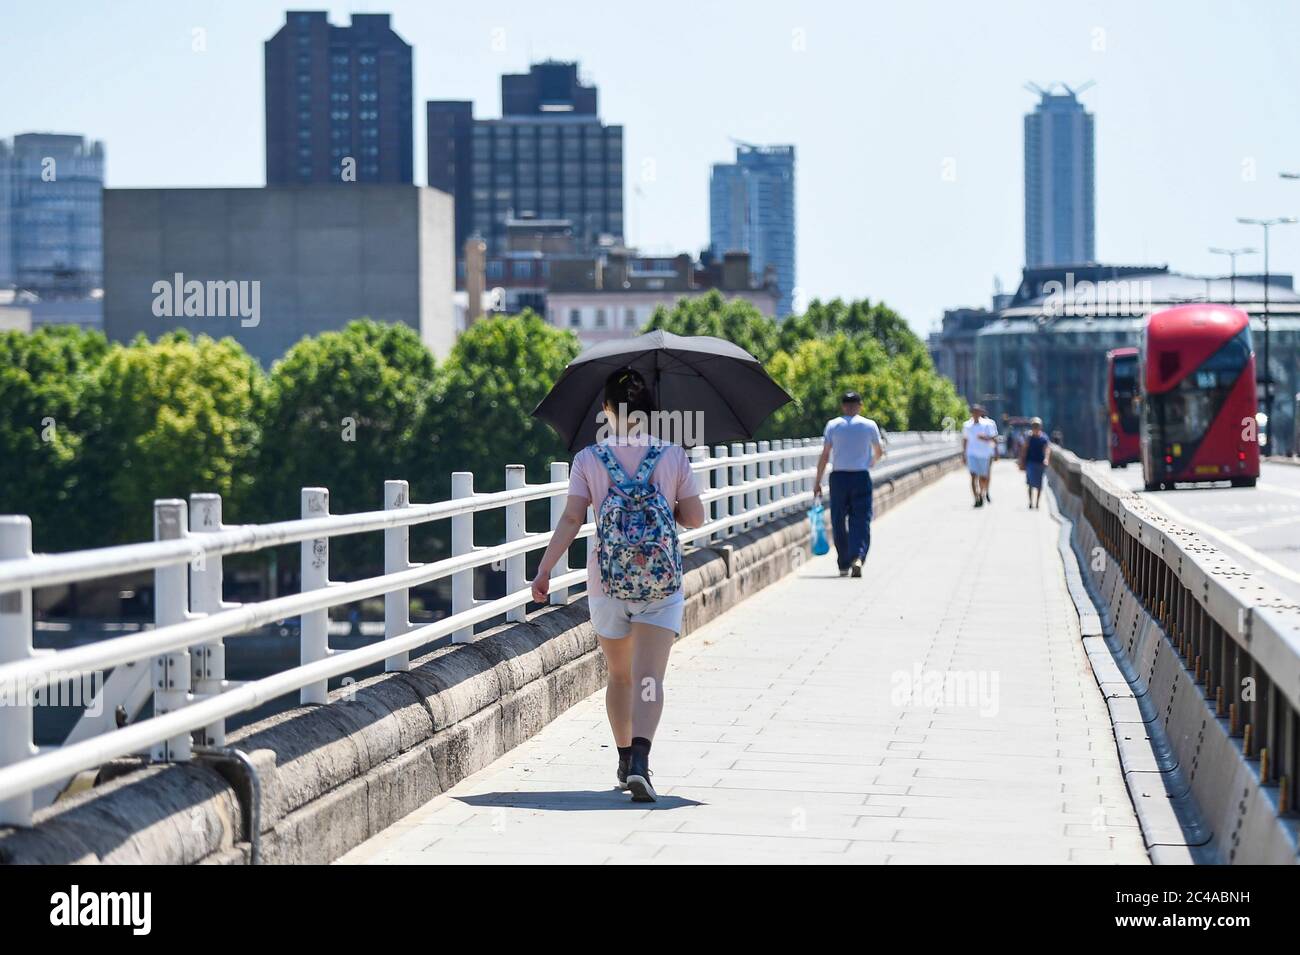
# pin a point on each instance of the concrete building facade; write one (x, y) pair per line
(269, 266)
(614, 294)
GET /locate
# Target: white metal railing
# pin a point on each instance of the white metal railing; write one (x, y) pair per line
(180, 663)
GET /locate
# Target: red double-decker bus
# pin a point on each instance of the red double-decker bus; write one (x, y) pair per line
(1198, 397)
(1122, 402)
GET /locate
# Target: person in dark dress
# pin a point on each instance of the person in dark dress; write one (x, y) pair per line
(1035, 453)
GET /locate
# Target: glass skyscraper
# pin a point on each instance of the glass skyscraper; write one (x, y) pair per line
(51, 213)
(335, 94)
(751, 209)
(1059, 200)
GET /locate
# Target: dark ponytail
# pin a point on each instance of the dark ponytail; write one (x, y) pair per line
(626, 388)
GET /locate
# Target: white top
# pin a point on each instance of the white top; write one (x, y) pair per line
(971, 431)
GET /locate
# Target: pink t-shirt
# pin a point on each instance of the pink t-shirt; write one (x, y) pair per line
(589, 479)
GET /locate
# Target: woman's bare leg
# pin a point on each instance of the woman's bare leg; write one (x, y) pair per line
(650, 649)
(618, 691)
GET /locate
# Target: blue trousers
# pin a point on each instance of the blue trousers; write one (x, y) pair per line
(851, 515)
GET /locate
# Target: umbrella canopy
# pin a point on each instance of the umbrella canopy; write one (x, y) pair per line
(724, 384)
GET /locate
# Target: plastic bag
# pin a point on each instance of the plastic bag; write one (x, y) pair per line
(817, 518)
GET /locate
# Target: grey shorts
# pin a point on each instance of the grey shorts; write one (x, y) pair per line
(613, 618)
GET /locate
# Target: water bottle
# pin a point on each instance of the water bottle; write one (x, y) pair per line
(817, 520)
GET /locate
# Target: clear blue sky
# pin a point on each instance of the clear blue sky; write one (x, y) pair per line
(1190, 97)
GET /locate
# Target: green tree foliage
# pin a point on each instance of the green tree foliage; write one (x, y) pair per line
(164, 419)
(349, 409)
(480, 419)
(43, 376)
(831, 348)
(736, 321)
(820, 370)
(342, 412)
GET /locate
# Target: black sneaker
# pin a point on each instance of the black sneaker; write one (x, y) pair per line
(856, 569)
(638, 777)
(987, 499)
(979, 502)
(622, 773)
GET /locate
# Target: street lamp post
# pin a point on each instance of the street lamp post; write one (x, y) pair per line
(1232, 257)
(1267, 224)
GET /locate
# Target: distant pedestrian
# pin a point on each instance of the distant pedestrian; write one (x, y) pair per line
(979, 445)
(852, 447)
(1035, 455)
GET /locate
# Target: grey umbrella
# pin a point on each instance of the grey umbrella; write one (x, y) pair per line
(721, 381)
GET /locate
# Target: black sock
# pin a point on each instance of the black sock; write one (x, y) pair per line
(625, 752)
(640, 742)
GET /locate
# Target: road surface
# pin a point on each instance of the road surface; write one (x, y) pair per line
(1259, 526)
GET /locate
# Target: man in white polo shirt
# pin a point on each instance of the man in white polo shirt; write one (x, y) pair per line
(979, 443)
(852, 447)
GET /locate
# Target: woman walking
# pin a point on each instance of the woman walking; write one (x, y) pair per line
(640, 488)
(1035, 453)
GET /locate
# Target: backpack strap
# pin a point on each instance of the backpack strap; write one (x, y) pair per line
(616, 473)
(648, 463)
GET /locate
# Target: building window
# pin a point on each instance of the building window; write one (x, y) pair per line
(575, 318)
(600, 318)
(629, 317)
(496, 269)
(523, 270)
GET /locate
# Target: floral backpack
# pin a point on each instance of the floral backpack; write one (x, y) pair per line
(636, 534)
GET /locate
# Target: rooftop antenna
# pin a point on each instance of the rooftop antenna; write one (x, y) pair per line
(1075, 92)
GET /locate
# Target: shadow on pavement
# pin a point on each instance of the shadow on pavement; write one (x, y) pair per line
(574, 800)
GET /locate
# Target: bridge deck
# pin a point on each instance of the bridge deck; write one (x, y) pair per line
(785, 739)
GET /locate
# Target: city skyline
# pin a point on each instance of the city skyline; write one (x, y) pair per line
(894, 170)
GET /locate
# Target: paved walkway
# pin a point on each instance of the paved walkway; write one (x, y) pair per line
(789, 735)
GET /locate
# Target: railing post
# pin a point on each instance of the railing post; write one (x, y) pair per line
(559, 473)
(764, 495)
(751, 469)
(785, 444)
(462, 542)
(697, 454)
(805, 460)
(718, 479)
(315, 574)
(16, 644)
(515, 530)
(737, 478)
(397, 558)
(171, 671)
(207, 660)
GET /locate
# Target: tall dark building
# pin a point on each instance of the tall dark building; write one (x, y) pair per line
(335, 94)
(548, 157)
